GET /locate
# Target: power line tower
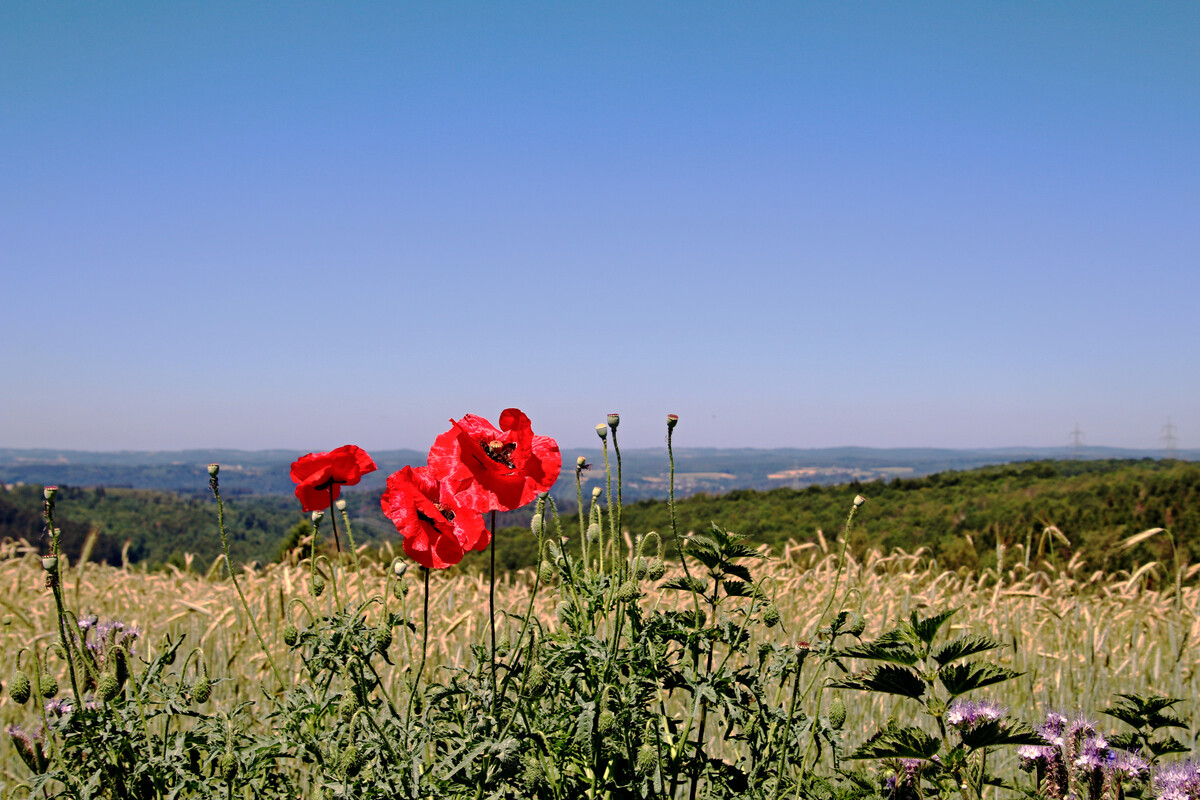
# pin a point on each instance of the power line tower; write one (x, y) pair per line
(1076, 441)
(1169, 439)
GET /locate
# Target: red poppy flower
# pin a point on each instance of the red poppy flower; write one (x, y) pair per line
(316, 473)
(493, 469)
(437, 530)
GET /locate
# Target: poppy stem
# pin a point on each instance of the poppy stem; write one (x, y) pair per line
(492, 609)
(337, 543)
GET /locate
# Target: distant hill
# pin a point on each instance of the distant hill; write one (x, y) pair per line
(646, 471)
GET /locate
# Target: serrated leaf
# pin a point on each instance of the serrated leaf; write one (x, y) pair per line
(687, 584)
(991, 733)
(1169, 745)
(926, 629)
(895, 654)
(907, 742)
(1167, 720)
(736, 588)
(962, 647)
(737, 571)
(962, 678)
(887, 678)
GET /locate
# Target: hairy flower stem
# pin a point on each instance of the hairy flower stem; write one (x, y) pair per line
(412, 697)
(492, 609)
(620, 483)
(583, 542)
(612, 524)
(212, 482)
(56, 586)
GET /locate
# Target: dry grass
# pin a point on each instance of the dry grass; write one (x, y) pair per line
(1078, 636)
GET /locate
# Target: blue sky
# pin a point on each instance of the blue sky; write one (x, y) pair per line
(299, 225)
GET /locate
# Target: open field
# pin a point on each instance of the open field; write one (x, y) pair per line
(1079, 636)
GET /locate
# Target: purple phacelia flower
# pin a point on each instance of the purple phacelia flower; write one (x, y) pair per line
(1178, 781)
(965, 714)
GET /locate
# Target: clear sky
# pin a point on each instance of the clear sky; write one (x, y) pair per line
(305, 224)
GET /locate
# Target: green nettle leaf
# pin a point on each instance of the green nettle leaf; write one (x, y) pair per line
(737, 571)
(997, 732)
(962, 647)
(962, 678)
(1167, 720)
(910, 742)
(687, 585)
(887, 678)
(926, 629)
(1167, 746)
(896, 654)
(737, 588)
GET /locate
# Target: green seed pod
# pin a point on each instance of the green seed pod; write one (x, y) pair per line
(837, 713)
(49, 685)
(855, 624)
(18, 687)
(202, 690)
(318, 586)
(606, 722)
(647, 759)
(593, 532)
(399, 589)
(640, 569)
(656, 569)
(627, 591)
(108, 686)
(770, 615)
(546, 572)
(290, 635)
(537, 524)
(228, 765)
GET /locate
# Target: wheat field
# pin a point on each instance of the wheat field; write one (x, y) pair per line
(1078, 636)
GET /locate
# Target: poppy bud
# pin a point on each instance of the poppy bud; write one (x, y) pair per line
(318, 586)
(859, 500)
(837, 713)
(383, 639)
(593, 532)
(290, 635)
(50, 492)
(580, 462)
(656, 569)
(202, 690)
(399, 589)
(640, 569)
(855, 624)
(340, 505)
(770, 615)
(602, 431)
(531, 771)
(49, 685)
(228, 765)
(606, 721)
(18, 688)
(352, 761)
(596, 491)
(317, 516)
(399, 568)
(614, 420)
(627, 591)
(546, 572)
(108, 686)
(213, 469)
(646, 760)
(535, 681)
(537, 524)
(672, 421)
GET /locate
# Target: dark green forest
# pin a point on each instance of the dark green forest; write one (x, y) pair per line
(958, 516)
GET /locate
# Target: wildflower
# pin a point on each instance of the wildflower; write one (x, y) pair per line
(320, 476)
(966, 714)
(1178, 781)
(438, 531)
(30, 746)
(495, 469)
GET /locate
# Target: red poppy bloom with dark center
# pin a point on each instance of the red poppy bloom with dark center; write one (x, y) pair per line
(496, 469)
(316, 473)
(437, 530)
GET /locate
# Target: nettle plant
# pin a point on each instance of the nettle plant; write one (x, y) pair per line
(665, 670)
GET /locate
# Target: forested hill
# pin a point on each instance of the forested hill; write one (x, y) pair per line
(958, 516)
